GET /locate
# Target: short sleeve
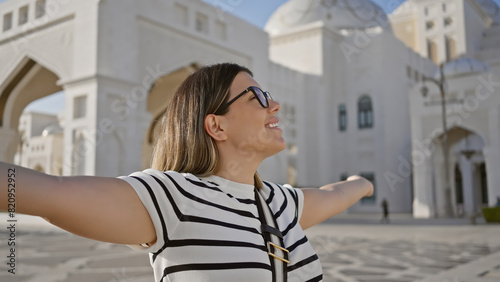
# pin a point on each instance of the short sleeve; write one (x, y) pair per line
(298, 196)
(153, 188)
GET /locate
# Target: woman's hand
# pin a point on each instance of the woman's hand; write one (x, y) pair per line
(368, 183)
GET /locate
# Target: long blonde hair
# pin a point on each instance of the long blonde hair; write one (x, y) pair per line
(182, 144)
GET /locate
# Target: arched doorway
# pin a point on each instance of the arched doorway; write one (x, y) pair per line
(160, 95)
(467, 172)
(27, 82)
(466, 153)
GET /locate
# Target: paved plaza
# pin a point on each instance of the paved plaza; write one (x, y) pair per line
(350, 249)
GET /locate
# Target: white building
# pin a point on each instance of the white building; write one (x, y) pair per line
(443, 31)
(41, 143)
(347, 76)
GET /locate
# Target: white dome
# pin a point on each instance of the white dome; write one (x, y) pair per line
(338, 14)
(464, 66)
(491, 9)
(52, 130)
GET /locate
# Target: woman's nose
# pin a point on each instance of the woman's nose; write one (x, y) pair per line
(274, 106)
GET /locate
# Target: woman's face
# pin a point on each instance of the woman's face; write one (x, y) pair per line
(252, 129)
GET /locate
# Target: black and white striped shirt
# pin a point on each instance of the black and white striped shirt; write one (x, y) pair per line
(208, 229)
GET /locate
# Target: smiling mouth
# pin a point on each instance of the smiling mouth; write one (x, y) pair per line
(272, 125)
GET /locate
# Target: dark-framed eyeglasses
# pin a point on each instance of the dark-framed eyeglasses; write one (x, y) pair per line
(261, 96)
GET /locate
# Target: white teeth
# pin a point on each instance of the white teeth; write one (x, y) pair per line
(272, 125)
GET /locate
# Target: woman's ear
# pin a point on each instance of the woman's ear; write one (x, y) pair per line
(214, 128)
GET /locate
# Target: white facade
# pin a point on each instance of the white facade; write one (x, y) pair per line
(347, 76)
(42, 143)
(445, 30)
(347, 60)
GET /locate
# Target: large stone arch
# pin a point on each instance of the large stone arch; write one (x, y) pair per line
(27, 81)
(465, 154)
(159, 97)
(107, 56)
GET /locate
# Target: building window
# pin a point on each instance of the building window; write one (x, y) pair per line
(408, 72)
(484, 184)
(447, 21)
(79, 154)
(426, 11)
(79, 107)
(459, 195)
(451, 48)
(416, 76)
(220, 30)
(40, 8)
(370, 176)
(342, 117)
(201, 23)
(365, 112)
(444, 7)
(429, 25)
(181, 14)
(432, 51)
(7, 21)
(23, 15)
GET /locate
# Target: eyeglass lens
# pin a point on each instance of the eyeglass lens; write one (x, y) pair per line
(262, 96)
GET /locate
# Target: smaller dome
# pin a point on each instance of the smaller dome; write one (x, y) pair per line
(337, 14)
(464, 66)
(491, 9)
(52, 129)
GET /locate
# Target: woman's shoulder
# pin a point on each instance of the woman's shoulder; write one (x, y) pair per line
(268, 185)
(161, 176)
(271, 190)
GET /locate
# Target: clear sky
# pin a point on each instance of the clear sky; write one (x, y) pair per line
(256, 12)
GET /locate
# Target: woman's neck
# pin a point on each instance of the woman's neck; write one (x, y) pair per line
(237, 170)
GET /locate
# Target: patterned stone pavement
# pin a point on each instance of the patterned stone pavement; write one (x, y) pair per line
(348, 252)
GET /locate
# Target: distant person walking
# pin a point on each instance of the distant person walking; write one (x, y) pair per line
(498, 202)
(385, 209)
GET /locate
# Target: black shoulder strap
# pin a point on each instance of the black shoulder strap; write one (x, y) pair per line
(273, 239)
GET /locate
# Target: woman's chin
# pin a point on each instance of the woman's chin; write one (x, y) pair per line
(279, 146)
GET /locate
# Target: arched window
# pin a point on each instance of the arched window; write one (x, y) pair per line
(342, 117)
(451, 48)
(432, 51)
(365, 112)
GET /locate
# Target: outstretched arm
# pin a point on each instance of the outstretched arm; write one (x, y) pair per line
(329, 200)
(99, 208)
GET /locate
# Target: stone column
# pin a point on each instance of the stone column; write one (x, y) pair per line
(122, 125)
(423, 196)
(466, 168)
(492, 161)
(8, 144)
(439, 182)
(79, 126)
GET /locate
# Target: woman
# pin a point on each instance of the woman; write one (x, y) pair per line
(197, 211)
